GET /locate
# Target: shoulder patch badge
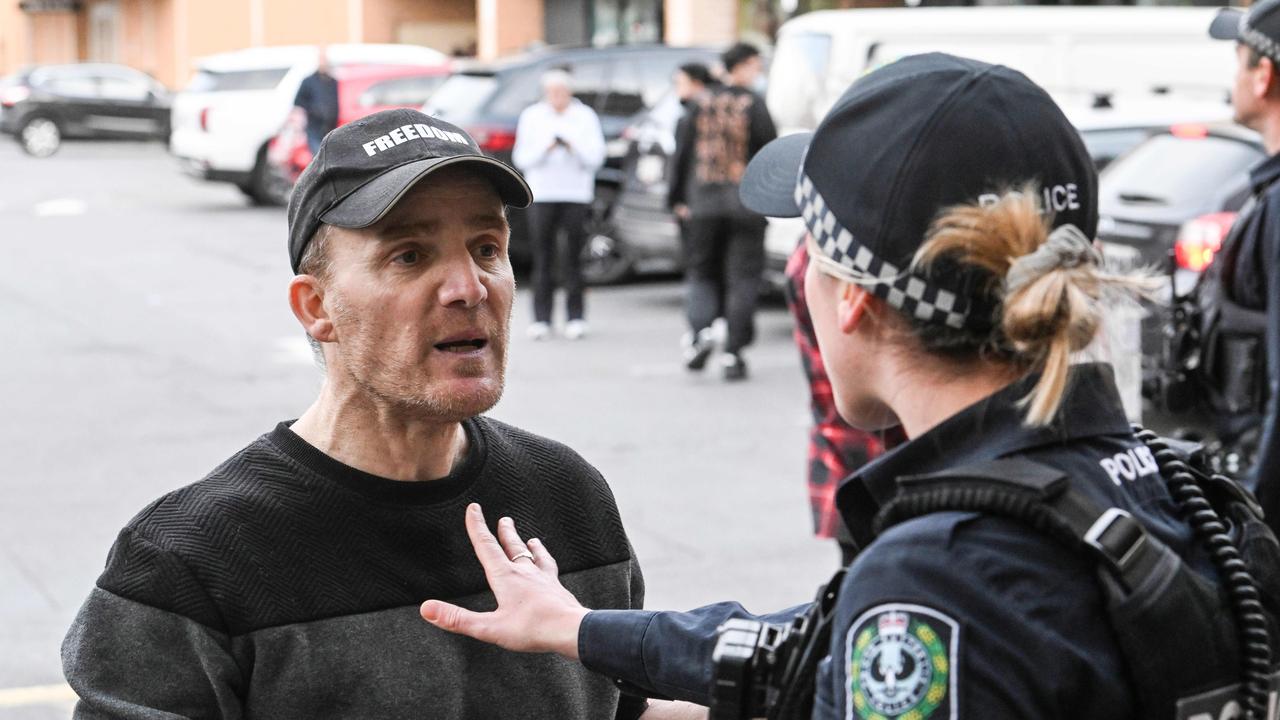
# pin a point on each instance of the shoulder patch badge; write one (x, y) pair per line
(901, 664)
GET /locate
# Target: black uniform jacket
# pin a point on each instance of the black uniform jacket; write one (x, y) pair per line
(951, 614)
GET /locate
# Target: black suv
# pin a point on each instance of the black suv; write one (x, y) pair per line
(44, 104)
(619, 83)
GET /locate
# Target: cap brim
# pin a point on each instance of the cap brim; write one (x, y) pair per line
(370, 202)
(1226, 24)
(769, 184)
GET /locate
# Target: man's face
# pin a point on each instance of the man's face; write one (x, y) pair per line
(686, 87)
(748, 71)
(421, 301)
(1245, 99)
(558, 96)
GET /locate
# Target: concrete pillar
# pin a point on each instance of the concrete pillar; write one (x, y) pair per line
(507, 26)
(700, 22)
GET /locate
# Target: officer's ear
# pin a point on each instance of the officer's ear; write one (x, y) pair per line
(855, 303)
(1264, 80)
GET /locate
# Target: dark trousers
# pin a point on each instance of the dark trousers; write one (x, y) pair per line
(315, 134)
(724, 262)
(546, 219)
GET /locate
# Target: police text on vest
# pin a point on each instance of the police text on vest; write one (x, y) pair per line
(1130, 464)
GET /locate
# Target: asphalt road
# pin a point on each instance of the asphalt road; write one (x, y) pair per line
(145, 337)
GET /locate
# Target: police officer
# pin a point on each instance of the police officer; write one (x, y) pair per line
(950, 207)
(1241, 291)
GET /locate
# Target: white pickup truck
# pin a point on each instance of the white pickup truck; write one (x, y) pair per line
(239, 100)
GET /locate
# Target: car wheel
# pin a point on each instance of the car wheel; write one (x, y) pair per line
(40, 137)
(604, 258)
(267, 185)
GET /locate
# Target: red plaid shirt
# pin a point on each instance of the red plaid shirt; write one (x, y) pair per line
(836, 449)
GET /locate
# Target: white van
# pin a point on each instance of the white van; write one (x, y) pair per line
(1108, 66)
(1069, 51)
(238, 100)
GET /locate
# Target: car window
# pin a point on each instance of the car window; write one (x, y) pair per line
(406, 91)
(461, 96)
(590, 78)
(71, 85)
(118, 88)
(626, 90)
(1107, 145)
(1174, 172)
(258, 79)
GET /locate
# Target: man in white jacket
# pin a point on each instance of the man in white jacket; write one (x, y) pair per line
(559, 146)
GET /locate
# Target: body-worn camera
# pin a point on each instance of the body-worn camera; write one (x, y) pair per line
(764, 670)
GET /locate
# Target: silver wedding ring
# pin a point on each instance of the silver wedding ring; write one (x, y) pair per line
(521, 556)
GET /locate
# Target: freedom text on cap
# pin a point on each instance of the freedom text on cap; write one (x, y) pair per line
(405, 133)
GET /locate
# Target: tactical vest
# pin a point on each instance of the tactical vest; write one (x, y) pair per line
(1232, 338)
(1195, 649)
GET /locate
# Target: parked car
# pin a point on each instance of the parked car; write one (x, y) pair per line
(362, 90)
(237, 101)
(617, 82)
(42, 105)
(1169, 204)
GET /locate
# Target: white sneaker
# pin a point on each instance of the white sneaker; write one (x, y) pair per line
(539, 331)
(575, 329)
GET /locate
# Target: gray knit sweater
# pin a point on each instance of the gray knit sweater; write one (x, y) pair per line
(286, 585)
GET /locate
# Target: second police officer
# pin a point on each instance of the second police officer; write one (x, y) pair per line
(950, 207)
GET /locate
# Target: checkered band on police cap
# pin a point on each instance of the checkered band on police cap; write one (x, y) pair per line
(908, 292)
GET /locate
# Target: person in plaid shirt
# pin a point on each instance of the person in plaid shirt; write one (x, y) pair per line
(835, 448)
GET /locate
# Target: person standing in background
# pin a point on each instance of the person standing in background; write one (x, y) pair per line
(725, 241)
(318, 98)
(836, 448)
(559, 146)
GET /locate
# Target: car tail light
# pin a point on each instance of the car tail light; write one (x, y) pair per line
(1189, 131)
(1200, 239)
(11, 96)
(204, 120)
(493, 140)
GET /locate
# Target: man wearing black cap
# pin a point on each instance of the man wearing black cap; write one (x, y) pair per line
(284, 584)
(1239, 295)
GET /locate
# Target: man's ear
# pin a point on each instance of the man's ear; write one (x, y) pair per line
(854, 302)
(306, 299)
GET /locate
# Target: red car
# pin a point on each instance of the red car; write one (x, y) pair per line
(362, 90)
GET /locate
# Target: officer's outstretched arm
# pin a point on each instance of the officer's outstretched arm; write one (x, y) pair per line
(535, 612)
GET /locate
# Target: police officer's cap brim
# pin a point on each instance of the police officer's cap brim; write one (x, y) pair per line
(769, 184)
(1226, 24)
(373, 200)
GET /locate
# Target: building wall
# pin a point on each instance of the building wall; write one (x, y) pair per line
(301, 22)
(700, 22)
(13, 36)
(508, 26)
(27, 38)
(445, 25)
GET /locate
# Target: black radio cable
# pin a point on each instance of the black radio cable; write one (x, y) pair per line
(1251, 621)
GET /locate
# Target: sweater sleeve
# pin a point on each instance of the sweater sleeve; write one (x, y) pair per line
(532, 141)
(143, 646)
(589, 145)
(763, 131)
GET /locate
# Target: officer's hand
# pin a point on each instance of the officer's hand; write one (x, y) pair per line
(535, 613)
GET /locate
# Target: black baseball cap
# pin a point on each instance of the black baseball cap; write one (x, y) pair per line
(904, 143)
(363, 168)
(1259, 28)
